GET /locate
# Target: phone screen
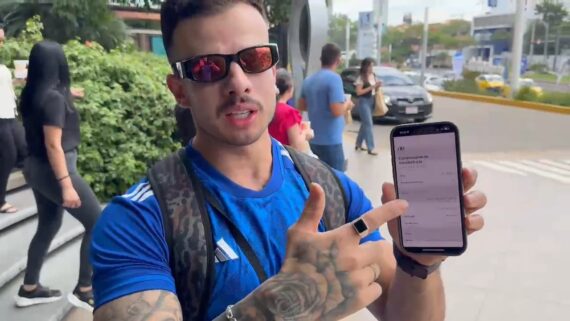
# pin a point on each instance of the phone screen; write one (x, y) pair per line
(427, 175)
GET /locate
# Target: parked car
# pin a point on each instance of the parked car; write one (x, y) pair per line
(490, 82)
(406, 101)
(434, 83)
(431, 82)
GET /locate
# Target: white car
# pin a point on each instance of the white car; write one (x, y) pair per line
(434, 83)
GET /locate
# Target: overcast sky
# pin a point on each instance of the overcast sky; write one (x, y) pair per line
(440, 10)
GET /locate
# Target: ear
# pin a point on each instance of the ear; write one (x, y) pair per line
(176, 86)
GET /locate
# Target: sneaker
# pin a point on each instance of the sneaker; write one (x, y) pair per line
(40, 295)
(83, 300)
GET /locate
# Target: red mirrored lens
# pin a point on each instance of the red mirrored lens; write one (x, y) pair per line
(208, 68)
(255, 60)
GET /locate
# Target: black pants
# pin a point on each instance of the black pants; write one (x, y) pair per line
(48, 196)
(12, 151)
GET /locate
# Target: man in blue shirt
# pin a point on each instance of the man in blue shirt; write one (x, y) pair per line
(313, 274)
(323, 97)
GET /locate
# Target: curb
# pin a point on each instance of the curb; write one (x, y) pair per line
(20, 265)
(505, 102)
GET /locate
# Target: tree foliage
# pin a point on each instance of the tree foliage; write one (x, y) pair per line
(406, 40)
(553, 13)
(337, 31)
(64, 20)
(127, 119)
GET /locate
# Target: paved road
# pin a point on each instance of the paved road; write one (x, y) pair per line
(516, 268)
(487, 128)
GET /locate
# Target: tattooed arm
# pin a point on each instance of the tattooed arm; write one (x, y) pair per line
(142, 306)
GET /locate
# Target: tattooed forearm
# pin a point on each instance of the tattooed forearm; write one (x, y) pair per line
(144, 306)
(316, 290)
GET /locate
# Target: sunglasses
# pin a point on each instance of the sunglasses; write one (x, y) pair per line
(215, 67)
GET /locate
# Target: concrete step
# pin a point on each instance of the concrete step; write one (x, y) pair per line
(24, 200)
(16, 180)
(60, 271)
(14, 244)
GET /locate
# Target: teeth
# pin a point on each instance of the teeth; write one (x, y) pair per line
(241, 115)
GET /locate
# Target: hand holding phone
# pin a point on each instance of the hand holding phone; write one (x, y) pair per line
(427, 173)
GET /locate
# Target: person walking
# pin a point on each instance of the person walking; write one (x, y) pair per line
(322, 95)
(52, 132)
(12, 141)
(366, 86)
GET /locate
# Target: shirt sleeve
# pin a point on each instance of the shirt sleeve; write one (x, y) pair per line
(359, 204)
(53, 110)
(292, 118)
(336, 90)
(129, 253)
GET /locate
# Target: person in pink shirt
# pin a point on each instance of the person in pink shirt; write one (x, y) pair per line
(287, 125)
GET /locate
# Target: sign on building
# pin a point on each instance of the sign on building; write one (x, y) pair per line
(367, 42)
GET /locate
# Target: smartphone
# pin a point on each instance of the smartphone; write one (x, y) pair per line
(426, 162)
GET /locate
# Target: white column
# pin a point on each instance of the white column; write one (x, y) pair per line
(425, 47)
(347, 62)
(517, 50)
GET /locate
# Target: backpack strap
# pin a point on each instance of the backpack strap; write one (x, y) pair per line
(314, 170)
(188, 233)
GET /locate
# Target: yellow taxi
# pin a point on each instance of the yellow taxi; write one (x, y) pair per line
(490, 82)
(525, 83)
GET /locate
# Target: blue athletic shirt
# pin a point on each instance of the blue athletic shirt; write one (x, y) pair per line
(129, 251)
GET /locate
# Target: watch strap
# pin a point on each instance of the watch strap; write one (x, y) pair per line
(413, 268)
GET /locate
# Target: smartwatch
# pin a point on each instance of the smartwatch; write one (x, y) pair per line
(413, 268)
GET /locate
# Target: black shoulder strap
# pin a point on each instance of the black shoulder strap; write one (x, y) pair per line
(237, 234)
(183, 202)
(314, 170)
(188, 234)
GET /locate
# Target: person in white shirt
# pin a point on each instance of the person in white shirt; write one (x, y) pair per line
(12, 140)
(366, 86)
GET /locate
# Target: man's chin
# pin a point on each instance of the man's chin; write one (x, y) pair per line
(243, 139)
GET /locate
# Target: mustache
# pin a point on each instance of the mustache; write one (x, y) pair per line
(234, 100)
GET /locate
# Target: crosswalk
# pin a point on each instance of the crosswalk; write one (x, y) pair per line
(556, 170)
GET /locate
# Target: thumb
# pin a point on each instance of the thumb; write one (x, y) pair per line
(314, 209)
(388, 193)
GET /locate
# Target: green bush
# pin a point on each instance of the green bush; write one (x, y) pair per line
(466, 86)
(539, 68)
(526, 94)
(556, 98)
(470, 75)
(126, 116)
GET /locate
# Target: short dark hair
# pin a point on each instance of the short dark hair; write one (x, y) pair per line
(174, 11)
(284, 81)
(330, 54)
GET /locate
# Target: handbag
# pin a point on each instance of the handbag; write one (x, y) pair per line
(380, 108)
